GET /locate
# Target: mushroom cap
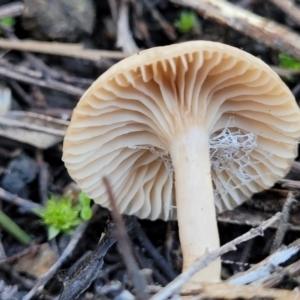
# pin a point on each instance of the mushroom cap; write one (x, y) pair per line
(125, 122)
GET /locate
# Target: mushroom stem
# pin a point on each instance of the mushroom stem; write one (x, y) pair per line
(196, 212)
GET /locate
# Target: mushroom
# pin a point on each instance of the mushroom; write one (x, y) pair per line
(211, 118)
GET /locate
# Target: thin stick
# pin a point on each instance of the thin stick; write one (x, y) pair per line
(165, 25)
(283, 222)
(274, 279)
(125, 244)
(160, 261)
(182, 279)
(292, 184)
(245, 292)
(11, 10)
(61, 49)
(270, 33)
(52, 84)
(24, 203)
(19, 124)
(289, 7)
(267, 266)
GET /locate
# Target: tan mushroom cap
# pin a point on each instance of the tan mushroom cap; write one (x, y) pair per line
(125, 122)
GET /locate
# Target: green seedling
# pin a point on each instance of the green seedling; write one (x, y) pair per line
(61, 215)
(288, 62)
(85, 211)
(187, 22)
(12, 228)
(8, 21)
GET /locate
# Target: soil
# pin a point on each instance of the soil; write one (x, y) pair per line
(35, 173)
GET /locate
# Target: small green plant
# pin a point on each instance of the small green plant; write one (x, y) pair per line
(85, 211)
(8, 21)
(61, 215)
(186, 22)
(288, 62)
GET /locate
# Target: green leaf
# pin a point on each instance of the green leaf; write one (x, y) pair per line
(86, 213)
(61, 214)
(186, 22)
(12, 228)
(84, 199)
(8, 21)
(288, 62)
(52, 232)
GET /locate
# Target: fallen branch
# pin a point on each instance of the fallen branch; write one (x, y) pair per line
(245, 292)
(260, 29)
(174, 287)
(278, 276)
(267, 266)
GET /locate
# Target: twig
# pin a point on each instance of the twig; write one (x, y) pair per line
(267, 266)
(260, 29)
(275, 278)
(244, 216)
(285, 73)
(289, 7)
(245, 292)
(182, 279)
(125, 244)
(27, 205)
(11, 10)
(61, 49)
(59, 113)
(152, 251)
(146, 264)
(245, 254)
(124, 38)
(169, 243)
(25, 98)
(156, 15)
(25, 282)
(5, 120)
(43, 176)
(287, 183)
(2, 250)
(283, 223)
(48, 83)
(38, 287)
(38, 64)
(113, 10)
(76, 284)
(247, 3)
(32, 248)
